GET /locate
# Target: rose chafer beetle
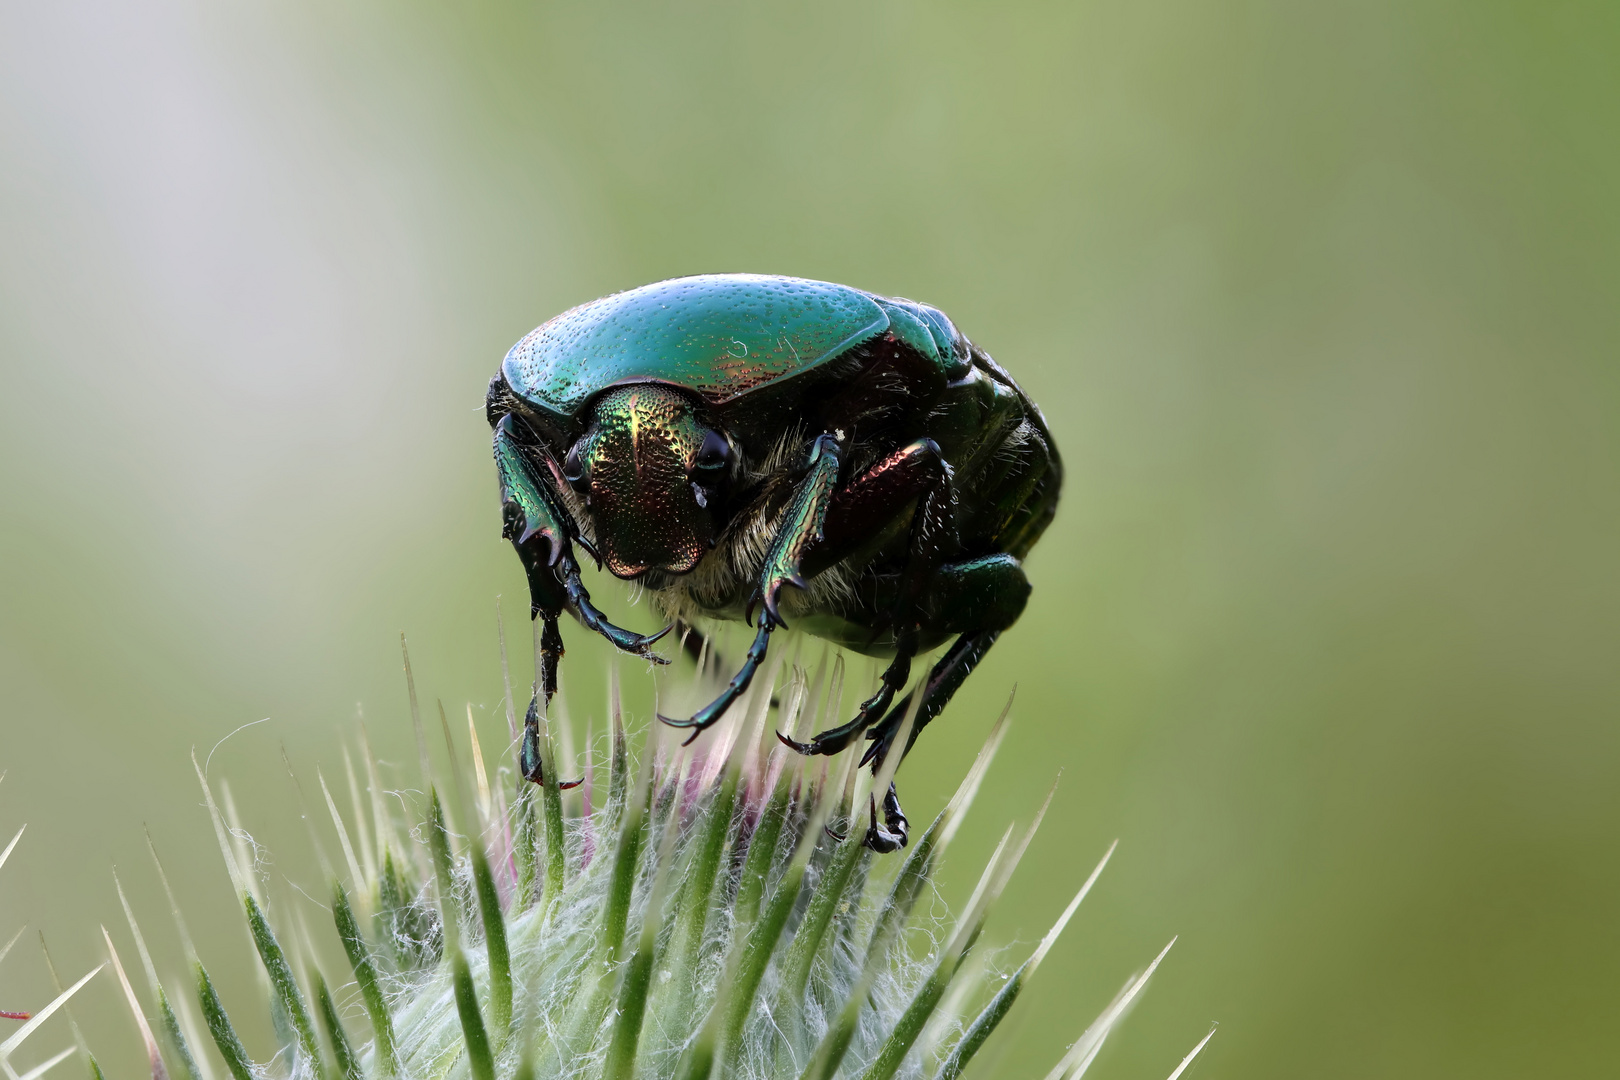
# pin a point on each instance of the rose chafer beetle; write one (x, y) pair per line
(717, 438)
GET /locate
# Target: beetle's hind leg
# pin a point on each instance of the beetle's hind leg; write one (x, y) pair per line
(976, 598)
(895, 829)
(943, 681)
(917, 471)
(872, 709)
(947, 675)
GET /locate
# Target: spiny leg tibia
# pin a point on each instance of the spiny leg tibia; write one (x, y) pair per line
(942, 682)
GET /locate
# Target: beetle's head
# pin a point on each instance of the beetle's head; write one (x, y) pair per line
(650, 469)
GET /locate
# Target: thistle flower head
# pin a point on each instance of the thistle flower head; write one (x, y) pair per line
(682, 912)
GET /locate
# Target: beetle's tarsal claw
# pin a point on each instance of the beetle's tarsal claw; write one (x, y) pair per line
(895, 830)
(835, 739)
(638, 644)
(795, 745)
(579, 600)
(694, 723)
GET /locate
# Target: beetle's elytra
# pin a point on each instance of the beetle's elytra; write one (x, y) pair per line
(719, 437)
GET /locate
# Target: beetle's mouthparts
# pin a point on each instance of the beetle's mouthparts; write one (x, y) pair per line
(677, 555)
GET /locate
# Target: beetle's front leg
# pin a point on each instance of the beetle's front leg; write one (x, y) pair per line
(800, 527)
(539, 527)
(592, 619)
(529, 752)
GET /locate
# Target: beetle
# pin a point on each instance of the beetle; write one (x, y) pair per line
(720, 437)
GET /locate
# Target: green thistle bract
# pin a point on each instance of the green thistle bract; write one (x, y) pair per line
(713, 917)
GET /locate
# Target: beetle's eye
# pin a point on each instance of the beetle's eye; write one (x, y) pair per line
(715, 453)
(574, 469)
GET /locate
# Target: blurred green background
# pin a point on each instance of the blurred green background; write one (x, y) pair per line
(1321, 303)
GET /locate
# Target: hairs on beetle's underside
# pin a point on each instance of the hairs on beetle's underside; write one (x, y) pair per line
(1015, 445)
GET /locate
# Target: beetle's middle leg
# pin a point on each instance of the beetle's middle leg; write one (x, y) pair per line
(893, 679)
(864, 505)
(800, 527)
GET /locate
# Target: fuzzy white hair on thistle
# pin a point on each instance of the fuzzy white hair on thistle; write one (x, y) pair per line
(711, 915)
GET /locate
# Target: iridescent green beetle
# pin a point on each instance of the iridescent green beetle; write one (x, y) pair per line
(716, 438)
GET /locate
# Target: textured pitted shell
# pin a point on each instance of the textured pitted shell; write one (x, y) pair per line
(720, 335)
